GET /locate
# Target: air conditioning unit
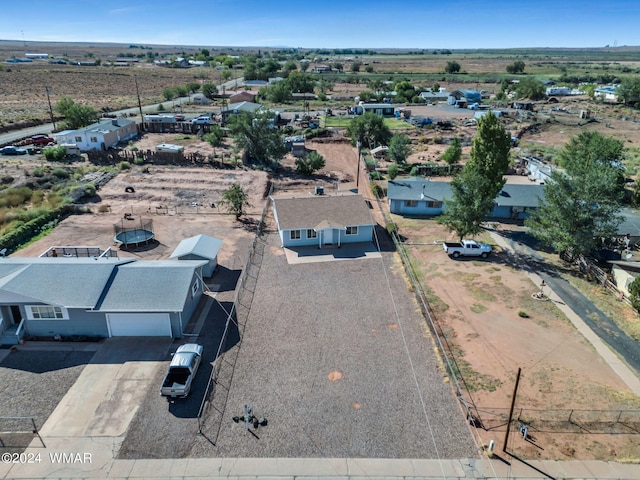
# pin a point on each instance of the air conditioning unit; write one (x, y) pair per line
(319, 190)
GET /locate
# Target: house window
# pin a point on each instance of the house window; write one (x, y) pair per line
(434, 204)
(78, 139)
(194, 288)
(352, 230)
(294, 234)
(94, 139)
(410, 203)
(311, 233)
(46, 312)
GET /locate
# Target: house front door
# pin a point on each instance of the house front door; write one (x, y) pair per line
(16, 315)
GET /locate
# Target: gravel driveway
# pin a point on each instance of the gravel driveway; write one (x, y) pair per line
(336, 369)
(32, 383)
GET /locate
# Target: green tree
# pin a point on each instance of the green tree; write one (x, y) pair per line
(530, 88)
(629, 91)
(76, 115)
(255, 134)
(393, 170)
(193, 87)
(277, 93)
(300, 82)
(404, 92)
(355, 66)
(215, 137)
(209, 90)
(435, 87)
(368, 69)
(304, 66)
(310, 163)
(399, 148)
(225, 75)
(453, 153)
(582, 204)
(235, 199)
(289, 67)
(452, 67)
(481, 180)
(168, 94)
(516, 67)
(634, 290)
(368, 129)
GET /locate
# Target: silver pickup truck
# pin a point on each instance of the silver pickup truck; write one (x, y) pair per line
(182, 370)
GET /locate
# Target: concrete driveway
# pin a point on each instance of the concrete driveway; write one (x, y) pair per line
(107, 394)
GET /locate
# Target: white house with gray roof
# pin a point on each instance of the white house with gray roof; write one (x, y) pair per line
(99, 136)
(416, 196)
(96, 297)
(323, 220)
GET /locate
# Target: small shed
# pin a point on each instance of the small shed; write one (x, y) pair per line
(199, 247)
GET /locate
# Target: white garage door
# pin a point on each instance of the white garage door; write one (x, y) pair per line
(139, 324)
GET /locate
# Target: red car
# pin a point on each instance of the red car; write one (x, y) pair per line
(41, 140)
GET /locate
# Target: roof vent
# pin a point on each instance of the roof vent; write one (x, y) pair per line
(319, 190)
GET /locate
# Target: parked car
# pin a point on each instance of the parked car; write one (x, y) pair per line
(40, 140)
(466, 248)
(182, 370)
(202, 120)
(179, 117)
(12, 150)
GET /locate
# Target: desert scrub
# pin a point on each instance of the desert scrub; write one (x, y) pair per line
(124, 166)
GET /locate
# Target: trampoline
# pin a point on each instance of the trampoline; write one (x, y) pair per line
(134, 237)
(138, 233)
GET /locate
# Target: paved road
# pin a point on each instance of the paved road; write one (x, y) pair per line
(598, 321)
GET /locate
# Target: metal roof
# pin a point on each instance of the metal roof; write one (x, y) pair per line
(150, 286)
(201, 245)
(309, 212)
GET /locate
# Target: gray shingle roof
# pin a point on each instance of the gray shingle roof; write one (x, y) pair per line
(412, 189)
(201, 245)
(308, 212)
(150, 286)
(520, 195)
(65, 282)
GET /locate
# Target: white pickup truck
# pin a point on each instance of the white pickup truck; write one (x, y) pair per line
(466, 248)
(182, 369)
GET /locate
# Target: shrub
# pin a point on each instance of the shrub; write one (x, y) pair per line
(89, 190)
(54, 153)
(391, 227)
(38, 172)
(375, 175)
(310, 163)
(377, 190)
(60, 173)
(414, 171)
(124, 166)
(139, 161)
(6, 179)
(393, 171)
(104, 208)
(523, 314)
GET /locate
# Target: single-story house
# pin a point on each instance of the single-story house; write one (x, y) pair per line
(235, 108)
(240, 97)
(99, 136)
(96, 297)
(384, 109)
(199, 247)
(434, 97)
(608, 93)
(466, 96)
(323, 220)
(255, 83)
(416, 196)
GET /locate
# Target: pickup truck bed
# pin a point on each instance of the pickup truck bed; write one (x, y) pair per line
(182, 370)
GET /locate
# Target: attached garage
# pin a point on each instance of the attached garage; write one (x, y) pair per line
(139, 325)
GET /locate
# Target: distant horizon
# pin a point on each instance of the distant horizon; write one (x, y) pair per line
(355, 24)
(276, 47)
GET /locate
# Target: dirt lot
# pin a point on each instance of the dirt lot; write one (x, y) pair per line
(479, 305)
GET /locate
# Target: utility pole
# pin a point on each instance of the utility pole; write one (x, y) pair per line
(50, 109)
(513, 403)
(135, 79)
(359, 145)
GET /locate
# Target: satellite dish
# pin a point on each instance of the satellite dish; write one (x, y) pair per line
(628, 256)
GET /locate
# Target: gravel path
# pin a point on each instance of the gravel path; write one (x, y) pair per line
(331, 366)
(32, 383)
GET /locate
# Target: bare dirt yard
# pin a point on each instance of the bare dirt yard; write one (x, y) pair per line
(494, 326)
(178, 200)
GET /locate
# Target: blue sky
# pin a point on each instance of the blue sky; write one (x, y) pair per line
(329, 23)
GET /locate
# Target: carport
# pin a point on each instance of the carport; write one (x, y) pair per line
(139, 324)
